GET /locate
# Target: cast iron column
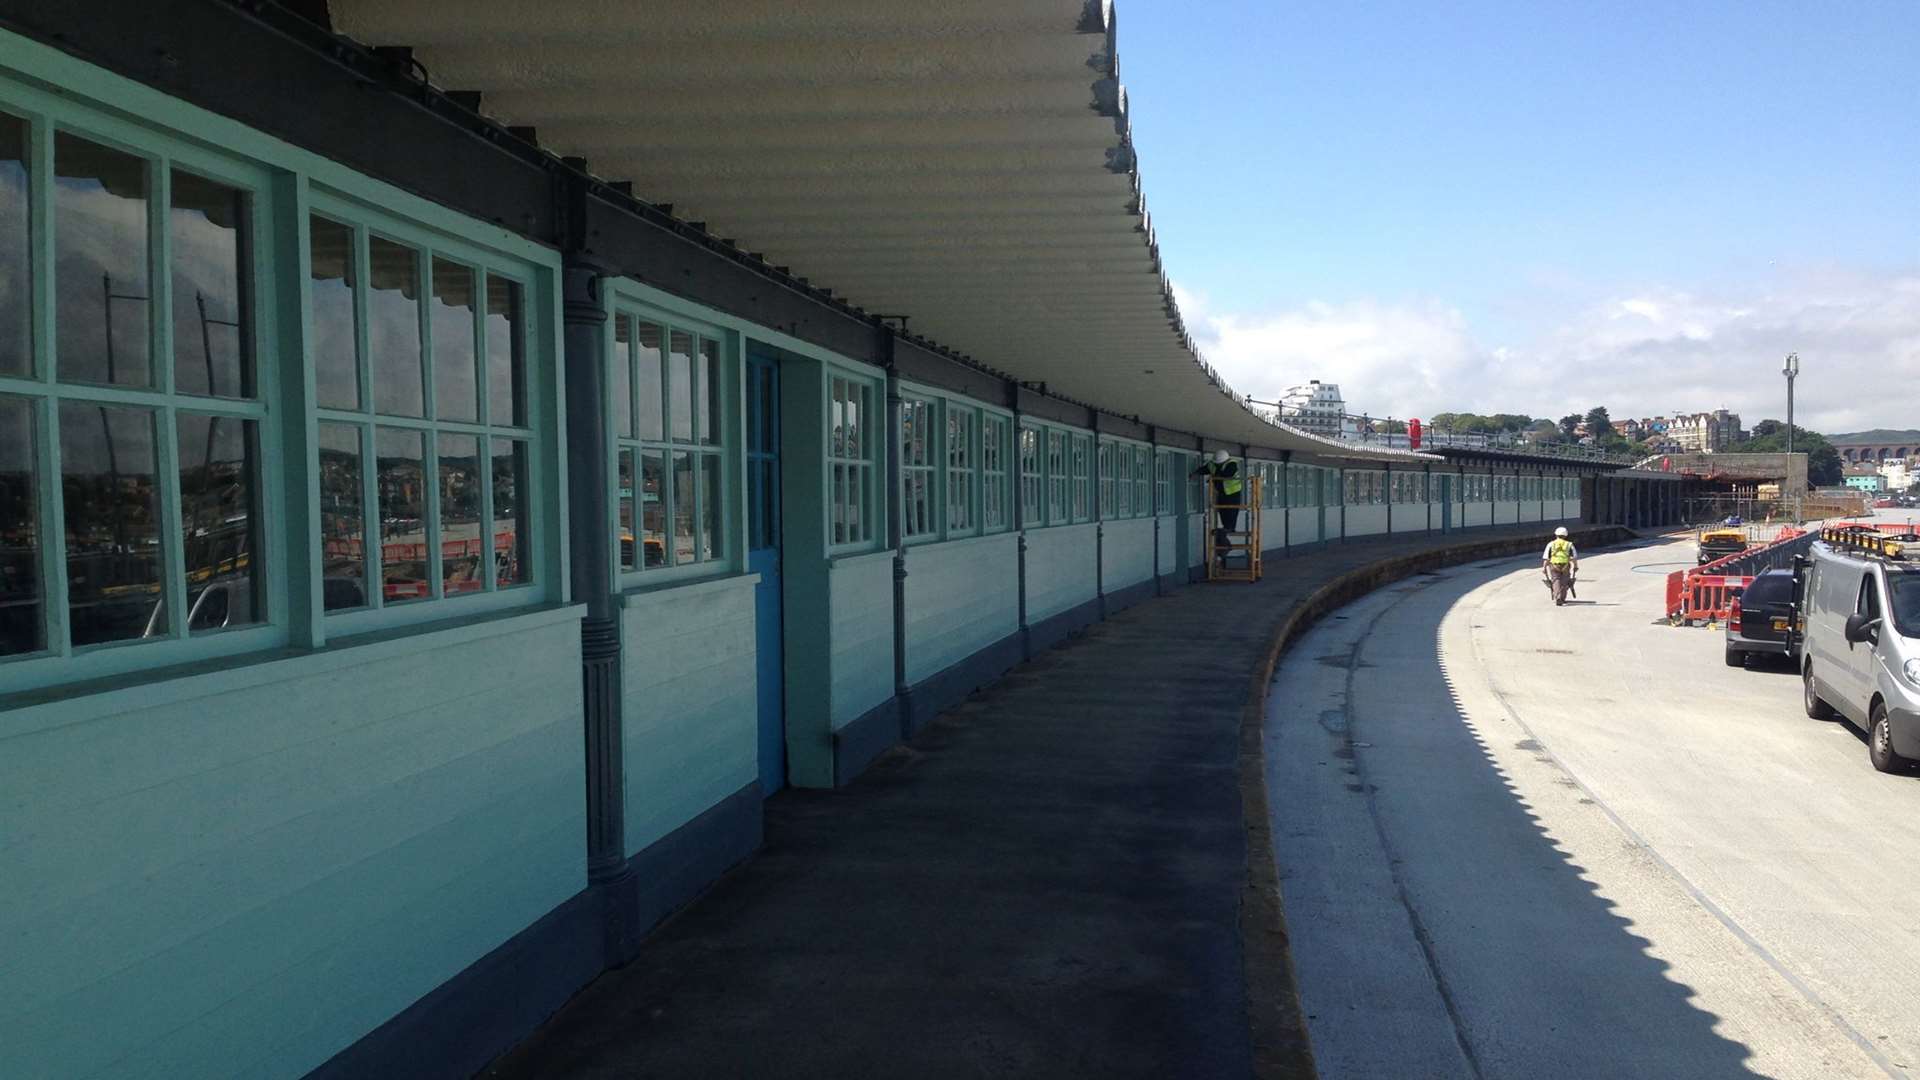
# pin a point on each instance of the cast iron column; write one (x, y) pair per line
(896, 524)
(1018, 465)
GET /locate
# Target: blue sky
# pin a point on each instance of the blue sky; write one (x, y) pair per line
(1508, 176)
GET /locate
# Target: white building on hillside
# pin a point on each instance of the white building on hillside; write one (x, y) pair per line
(1316, 407)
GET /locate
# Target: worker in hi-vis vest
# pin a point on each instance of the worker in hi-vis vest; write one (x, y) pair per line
(1224, 472)
(1560, 564)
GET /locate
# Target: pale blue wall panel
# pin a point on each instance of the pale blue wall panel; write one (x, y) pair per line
(1169, 559)
(1126, 551)
(1366, 520)
(1477, 513)
(182, 892)
(689, 702)
(1303, 525)
(1412, 517)
(962, 596)
(1060, 570)
(861, 621)
(1196, 540)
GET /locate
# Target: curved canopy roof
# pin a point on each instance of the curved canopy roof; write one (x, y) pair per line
(967, 164)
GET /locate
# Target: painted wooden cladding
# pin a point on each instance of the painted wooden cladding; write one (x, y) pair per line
(961, 597)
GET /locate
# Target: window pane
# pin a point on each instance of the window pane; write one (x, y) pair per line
(107, 466)
(680, 386)
(100, 237)
(456, 395)
(342, 519)
(461, 545)
(401, 474)
(512, 529)
(21, 624)
(769, 412)
(838, 495)
(16, 268)
(837, 420)
(682, 495)
(506, 354)
(653, 507)
(711, 393)
(393, 328)
(856, 415)
(212, 316)
(624, 496)
(647, 369)
(219, 520)
(712, 541)
(620, 373)
(330, 284)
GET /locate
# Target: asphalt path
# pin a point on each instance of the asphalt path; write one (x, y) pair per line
(1517, 841)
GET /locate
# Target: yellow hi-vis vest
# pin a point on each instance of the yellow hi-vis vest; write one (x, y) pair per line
(1560, 552)
(1228, 486)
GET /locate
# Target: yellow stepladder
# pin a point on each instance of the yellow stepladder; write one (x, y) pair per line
(1239, 558)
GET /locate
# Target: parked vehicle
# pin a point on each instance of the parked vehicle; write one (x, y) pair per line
(1861, 654)
(1718, 543)
(1763, 617)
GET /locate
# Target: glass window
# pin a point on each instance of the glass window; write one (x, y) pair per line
(16, 261)
(219, 519)
(334, 345)
(1058, 482)
(916, 468)
(960, 467)
(212, 312)
(22, 624)
(109, 481)
(454, 308)
(1082, 477)
(393, 328)
(400, 477)
(102, 292)
(670, 424)
(506, 353)
(995, 492)
(342, 522)
(1032, 480)
(1109, 507)
(463, 550)
(850, 460)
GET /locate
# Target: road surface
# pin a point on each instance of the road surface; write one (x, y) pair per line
(1518, 841)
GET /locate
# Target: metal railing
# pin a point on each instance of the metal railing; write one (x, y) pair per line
(1390, 432)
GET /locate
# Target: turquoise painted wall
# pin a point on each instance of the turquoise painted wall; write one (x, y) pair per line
(962, 596)
(1169, 532)
(860, 627)
(688, 702)
(1126, 553)
(1412, 517)
(1060, 570)
(244, 872)
(1196, 540)
(1477, 513)
(1303, 525)
(1366, 520)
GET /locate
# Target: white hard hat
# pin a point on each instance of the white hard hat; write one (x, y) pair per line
(1561, 531)
(1220, 455)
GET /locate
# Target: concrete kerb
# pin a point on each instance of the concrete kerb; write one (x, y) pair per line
(1282, 1049)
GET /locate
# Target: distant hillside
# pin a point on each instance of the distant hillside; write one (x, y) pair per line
(1877, 435)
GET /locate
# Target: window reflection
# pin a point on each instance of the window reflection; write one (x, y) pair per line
(212, 328)
(711, 507)
(101, 291)
(506, 354)
(342, 518)
(219, 516)
(107, 467)
(629, 542)
(400, 474)
(683, 523)
(393, 328)
(680, 385)
(455, 392)
(653, 507)
(512, 533)
(330, 283)
(647, 376)
(708, 396)
(463, 551)
(621, 370)
(16, 245)
(21, 624)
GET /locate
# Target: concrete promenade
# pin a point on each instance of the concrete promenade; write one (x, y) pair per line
(1067, 875)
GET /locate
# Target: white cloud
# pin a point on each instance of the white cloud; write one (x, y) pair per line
(1651, 351)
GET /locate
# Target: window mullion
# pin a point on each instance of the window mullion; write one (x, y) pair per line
(173, 556)
(372, 532)
(423, 318)
(362, 338)
(53, 513)
(40, 264)
(159, 273)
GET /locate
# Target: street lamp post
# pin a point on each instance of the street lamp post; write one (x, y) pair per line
(1792, 371)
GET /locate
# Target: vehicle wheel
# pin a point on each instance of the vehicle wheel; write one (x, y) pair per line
(1880, 742)
(1816, 708)
(1736, 658)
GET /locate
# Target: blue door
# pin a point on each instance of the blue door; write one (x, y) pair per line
(1444, 496)
(763, 558)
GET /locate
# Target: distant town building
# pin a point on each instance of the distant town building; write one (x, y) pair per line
(1898, 475)
(1864, 478)
(1705, 433)
(1316, 408)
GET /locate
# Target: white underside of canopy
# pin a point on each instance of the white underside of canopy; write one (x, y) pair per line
(965, 163)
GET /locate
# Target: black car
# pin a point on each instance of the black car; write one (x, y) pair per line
(1763, 619)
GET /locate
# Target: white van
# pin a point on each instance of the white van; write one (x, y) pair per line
(1861, 651)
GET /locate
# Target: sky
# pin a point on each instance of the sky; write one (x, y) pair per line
(1541, 207)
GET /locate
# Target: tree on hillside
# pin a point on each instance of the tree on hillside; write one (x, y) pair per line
(1598, 422)
(1544, 431)
(1509, 421)
(1391, 427)
(1570, 426)
(1824, 468)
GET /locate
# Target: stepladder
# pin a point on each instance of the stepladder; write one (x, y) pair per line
(1233, 533)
